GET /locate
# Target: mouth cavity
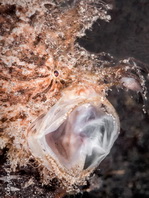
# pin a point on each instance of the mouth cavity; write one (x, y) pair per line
(86, 135)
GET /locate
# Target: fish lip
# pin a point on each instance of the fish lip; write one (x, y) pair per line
(49, 159)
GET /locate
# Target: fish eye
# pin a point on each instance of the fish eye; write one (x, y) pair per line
(56, 73)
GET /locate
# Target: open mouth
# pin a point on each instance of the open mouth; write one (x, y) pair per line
(87, 133)
(76, 134)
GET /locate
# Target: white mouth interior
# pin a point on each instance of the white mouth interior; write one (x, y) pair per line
(85, 136)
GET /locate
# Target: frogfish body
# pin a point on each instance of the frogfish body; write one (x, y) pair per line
(54, 102)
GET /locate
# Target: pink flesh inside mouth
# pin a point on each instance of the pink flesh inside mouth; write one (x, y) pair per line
(81, 135)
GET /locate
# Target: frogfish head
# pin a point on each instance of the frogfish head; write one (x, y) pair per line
(75, 135)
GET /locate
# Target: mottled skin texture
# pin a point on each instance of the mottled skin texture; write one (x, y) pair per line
(38, 39)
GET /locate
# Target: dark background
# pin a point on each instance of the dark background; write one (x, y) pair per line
(125, 172)
(126, 35)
